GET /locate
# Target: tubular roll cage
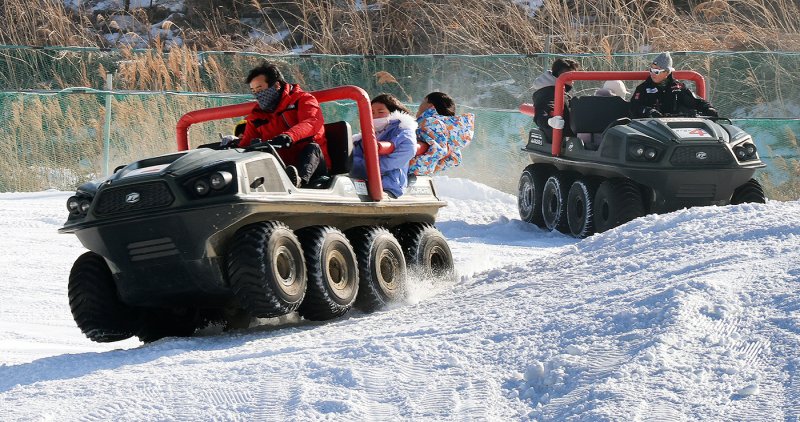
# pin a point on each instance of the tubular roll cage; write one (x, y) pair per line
(347, 92)
(558, 108)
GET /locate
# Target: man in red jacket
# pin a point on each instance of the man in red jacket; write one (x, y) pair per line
(289, 119)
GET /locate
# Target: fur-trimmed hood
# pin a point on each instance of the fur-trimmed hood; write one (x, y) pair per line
(406, 121)
(397, 120)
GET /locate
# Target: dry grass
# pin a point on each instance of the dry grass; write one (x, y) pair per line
(445, 26)
(782, 181)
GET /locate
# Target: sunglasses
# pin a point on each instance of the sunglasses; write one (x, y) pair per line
(657, 71)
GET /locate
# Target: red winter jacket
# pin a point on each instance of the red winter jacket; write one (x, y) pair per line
(297, 115)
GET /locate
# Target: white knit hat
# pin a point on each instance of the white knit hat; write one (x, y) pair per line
(616, 87)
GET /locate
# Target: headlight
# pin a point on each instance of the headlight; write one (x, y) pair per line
(84, 206)
(201, 187)
(639, 152)
(745, 152)
(220, 179)
(73, 204)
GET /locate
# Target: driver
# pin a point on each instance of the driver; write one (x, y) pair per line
(662, 95)
(290, 120)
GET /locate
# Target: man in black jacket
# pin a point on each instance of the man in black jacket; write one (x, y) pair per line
(661, 95)
(544, 97)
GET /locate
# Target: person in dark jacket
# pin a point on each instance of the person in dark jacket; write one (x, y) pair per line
(289, 119)
(662, 95)
(544, 98)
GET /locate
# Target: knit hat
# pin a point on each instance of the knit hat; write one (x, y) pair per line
(616, 87)
(664, 61)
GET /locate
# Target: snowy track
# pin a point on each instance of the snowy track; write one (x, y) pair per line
(691, 315)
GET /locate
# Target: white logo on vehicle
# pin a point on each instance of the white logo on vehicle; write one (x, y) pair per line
(701, 155)
(132, 197)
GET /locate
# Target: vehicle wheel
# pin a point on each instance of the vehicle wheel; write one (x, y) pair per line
(381, 267)
(750, 192)
(425, 249)
(95, 303)
(554, 203)
(156, 324)
(332, 273)
(580, 212)
(266, 269)
(616, 202)
(529, 197)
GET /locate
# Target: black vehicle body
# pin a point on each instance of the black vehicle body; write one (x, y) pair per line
(657, 165)
(183, 239)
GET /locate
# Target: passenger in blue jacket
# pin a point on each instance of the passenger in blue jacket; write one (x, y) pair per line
(393, 123)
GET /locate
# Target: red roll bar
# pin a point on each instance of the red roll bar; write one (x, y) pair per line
(558, 109)
(347, 92)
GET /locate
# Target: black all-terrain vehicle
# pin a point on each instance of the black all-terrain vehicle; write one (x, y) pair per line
(205, 235)
(618, 168)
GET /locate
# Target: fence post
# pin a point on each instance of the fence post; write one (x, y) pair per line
(107, 125)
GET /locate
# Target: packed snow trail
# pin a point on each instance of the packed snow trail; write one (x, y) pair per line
(689, 315)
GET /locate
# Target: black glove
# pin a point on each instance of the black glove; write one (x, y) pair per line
(228, 141)
(712, 112)
(652, 112)
(281, 141)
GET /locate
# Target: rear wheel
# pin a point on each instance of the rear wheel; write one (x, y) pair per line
(266, 269)
(332, 273)
(381, 267)
(580, 212)
(751, 191)
(425, 249)
(616, 202)
(529, 197)
(95, 303)
(554, 203)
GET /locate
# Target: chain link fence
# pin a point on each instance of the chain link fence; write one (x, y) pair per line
(57, 138)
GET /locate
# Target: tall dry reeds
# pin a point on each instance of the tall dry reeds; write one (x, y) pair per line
(422, 27)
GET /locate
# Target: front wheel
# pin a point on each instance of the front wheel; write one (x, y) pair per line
(266, 269)
(95, 303)
(616, 202)
(332, 273)
(750, 192)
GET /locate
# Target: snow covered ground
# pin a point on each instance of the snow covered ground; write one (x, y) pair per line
(693, 315)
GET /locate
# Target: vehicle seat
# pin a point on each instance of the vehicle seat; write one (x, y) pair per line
(340, 146)
(592, 114)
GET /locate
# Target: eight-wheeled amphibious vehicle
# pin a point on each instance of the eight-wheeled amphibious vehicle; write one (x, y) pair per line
(618, 168)
(203, 235)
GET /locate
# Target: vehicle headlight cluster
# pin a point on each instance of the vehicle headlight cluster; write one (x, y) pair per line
(745, 152)
(79, 205)
(639, 152)
(214, 182)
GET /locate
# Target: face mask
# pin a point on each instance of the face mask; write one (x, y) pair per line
(268, 99)
(380, 123)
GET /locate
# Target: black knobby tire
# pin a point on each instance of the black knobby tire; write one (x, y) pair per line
(381, 267)
(425, 249)
(529, 196)
(155, 324)
(266, 269)
(580, 208)
(332, 273)
(95, 303)
(554, 203)
(616, 202)
(750, 192)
